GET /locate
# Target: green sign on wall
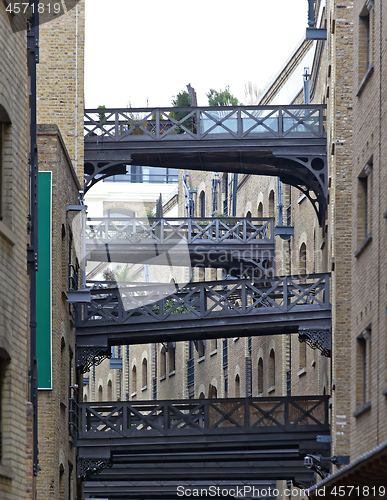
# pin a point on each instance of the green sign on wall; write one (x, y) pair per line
(43, 283)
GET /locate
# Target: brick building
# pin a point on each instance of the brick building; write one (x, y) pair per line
(15, 411)
(60, 98)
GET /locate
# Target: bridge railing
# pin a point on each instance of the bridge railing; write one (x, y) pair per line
(204, 417)
(103, 230)
(204, 123)
(154, 302)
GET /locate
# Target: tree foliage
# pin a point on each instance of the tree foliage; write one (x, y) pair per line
(182, 100)
(221, 97)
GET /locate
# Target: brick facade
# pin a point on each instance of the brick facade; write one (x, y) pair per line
(14, 330)
(57, 453)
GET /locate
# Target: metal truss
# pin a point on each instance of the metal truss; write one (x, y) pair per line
(141, 313)
(317, 339)
(88, 356)
(284, 141)
(91, 466)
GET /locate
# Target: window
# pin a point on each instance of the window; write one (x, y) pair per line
(272, 368)
(163, 362)
(134, 379)
(302, 260)
(364, 187)
(237, 386)
(172, 356)
(212, 392)
(271, 204)
(260, 210)
(144, 372)
(201, 348)
(100, 393)
(302, 354)
(110, 391)
(260, 376)
(365, 42)
(363, 367)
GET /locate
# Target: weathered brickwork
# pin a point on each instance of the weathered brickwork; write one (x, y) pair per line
(56, 446)
(60, 79)
(14, 131)
(368, 404)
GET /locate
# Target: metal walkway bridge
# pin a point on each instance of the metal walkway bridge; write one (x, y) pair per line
(143, 313)
(284, 141)
(167, 490)
(230, 439)
(227, 242)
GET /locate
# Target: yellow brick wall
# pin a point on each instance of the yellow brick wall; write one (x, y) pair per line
(60, 90)
(55, 445)
(14, 328)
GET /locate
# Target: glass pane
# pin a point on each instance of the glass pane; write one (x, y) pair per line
(207, 122)
(250, 122)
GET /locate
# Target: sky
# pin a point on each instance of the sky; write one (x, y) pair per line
(142, 53)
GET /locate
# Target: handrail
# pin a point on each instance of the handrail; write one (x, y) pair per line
(204, 230)
(204, 123)
(198, 300)
(253, 415)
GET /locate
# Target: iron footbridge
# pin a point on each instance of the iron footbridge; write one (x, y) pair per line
(284, 141)
(142, 313)
(186, 440)
(226, 242)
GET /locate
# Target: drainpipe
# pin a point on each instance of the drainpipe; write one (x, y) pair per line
(234, 194)
(32, 249)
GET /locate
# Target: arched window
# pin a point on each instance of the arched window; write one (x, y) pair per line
(202, 396)
(260, 376)
(272, 368)
(144, 372)
(248, 215)
(202, 204)
(109, 391)
(171, 356)
(163, 362)
(271, 204)
(237, 387)
(260, 210)
(302, 259)
(212, 392)
(134, 379)
(100, 393)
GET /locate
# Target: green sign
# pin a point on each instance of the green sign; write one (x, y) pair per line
(43, 283)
